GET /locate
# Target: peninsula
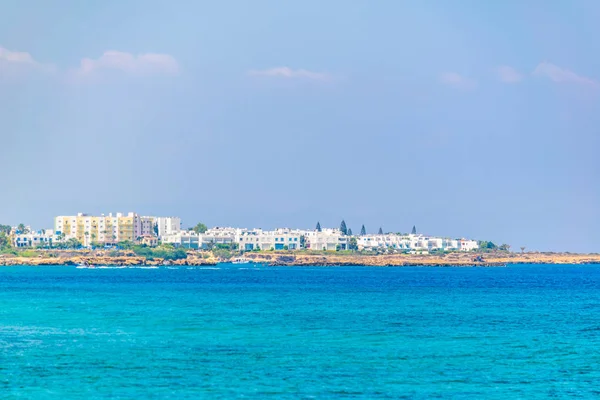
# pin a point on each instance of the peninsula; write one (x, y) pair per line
(129, 239)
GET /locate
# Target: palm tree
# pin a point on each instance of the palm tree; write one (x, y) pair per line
(523, 249)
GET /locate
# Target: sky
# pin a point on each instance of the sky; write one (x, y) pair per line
(466, 118)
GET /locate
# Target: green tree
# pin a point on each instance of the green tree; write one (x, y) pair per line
(73, 244)
(363, 231)
(21, 228)
(222, 253)
(349, 232)
(155, 229)
(302, 241)
(125, 245)
(414, 230)
(485, 245)
(4, 241)
(380, 231)
(318, 228)
(353, 244)
(504, 247)
(200, 228)
(5, 229)
(343, 228)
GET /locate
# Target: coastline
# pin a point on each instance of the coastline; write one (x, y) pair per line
(305, 259)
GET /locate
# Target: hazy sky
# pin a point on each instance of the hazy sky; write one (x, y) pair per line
(469, 118)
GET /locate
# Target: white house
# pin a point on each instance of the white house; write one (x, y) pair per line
(43, 238)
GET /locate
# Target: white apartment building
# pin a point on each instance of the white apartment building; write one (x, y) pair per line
(220, 235)
(326, 239)
(411, 242)
(185, 239)
(167, 225)
(279, 239)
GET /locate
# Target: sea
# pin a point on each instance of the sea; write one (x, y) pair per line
(259, 332)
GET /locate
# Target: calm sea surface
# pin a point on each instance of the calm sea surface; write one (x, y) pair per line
(529, 332)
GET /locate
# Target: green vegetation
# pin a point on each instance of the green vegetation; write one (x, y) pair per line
(414, 230)
(5, 244)
(380, 231)
(349, 232)
(28, 253)
(483, 245)
(222, 253)
(363, 231)
(5, 229)
(165, 252)
(318, 228)
(200, 228)
(69, 244)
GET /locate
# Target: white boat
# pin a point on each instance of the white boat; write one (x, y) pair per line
(86, 266)
(241, 260)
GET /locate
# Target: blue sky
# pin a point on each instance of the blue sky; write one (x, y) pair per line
(466, 118)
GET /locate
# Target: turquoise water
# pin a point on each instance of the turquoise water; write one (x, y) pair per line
(530, 332)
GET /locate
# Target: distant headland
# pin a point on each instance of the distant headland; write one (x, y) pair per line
(132, 239)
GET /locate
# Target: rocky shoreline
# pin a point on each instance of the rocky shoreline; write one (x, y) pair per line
(306, 259)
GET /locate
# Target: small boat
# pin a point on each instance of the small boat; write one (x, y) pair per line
(241, 260)
(85, 264)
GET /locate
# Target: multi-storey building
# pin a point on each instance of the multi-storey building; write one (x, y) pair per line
(111, 228)
(167, 225)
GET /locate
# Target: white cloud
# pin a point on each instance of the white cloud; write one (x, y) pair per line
(143, 64)
(286, 72)
(457, 80)
(561, 75)
(18, 61)
(16, 57)
(508, 74)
